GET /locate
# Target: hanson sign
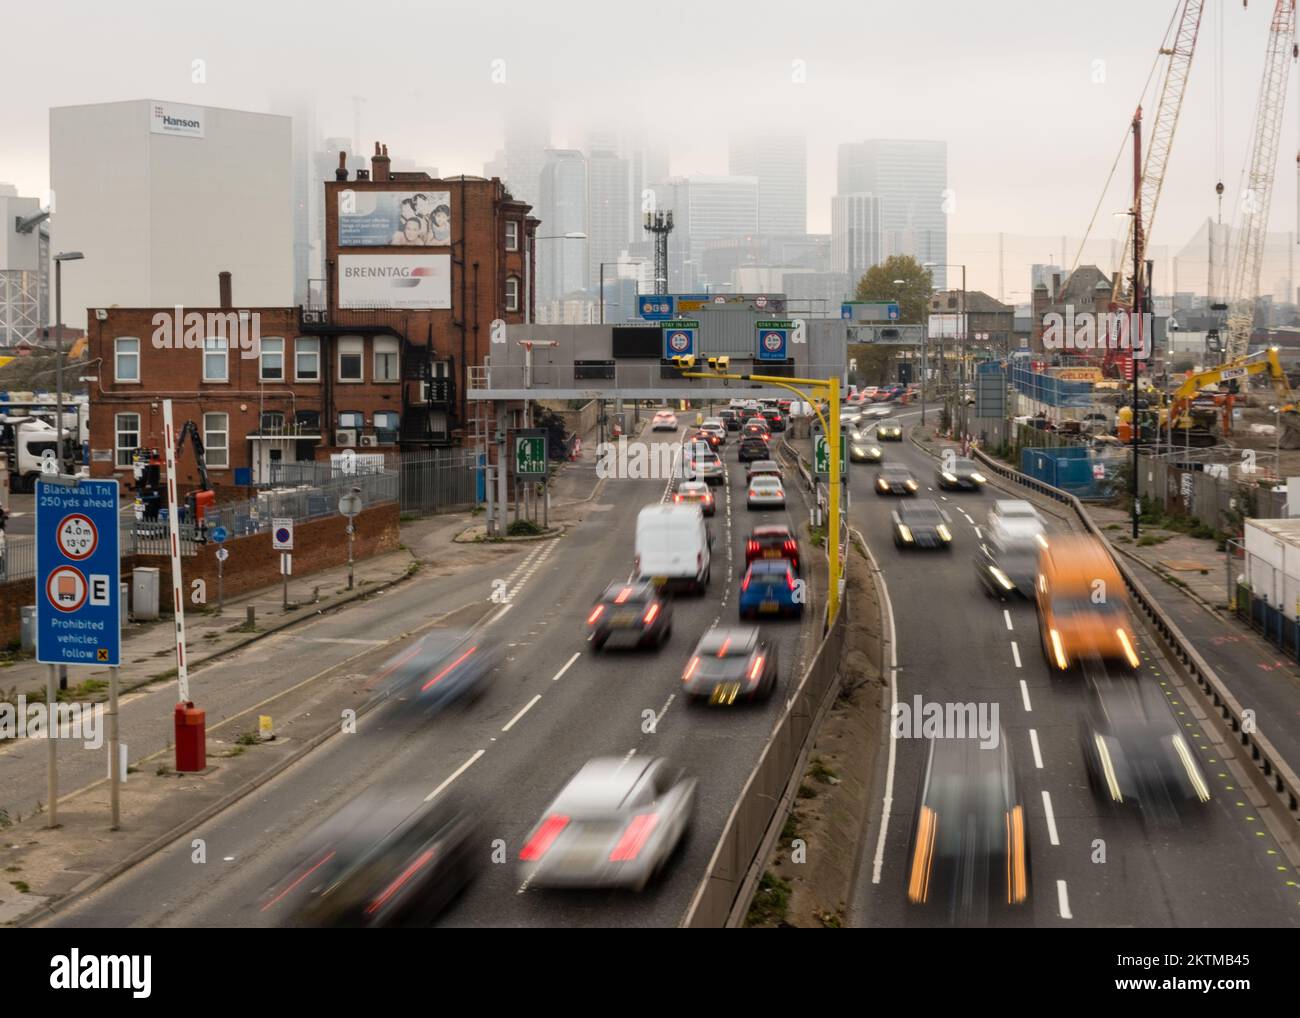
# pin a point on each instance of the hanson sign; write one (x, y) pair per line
(172, 118)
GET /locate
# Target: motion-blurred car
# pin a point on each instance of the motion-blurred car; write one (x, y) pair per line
(770, 587)
(442, 667)
(969, 853)
(731, 418)
(757, 468)
(772, 541)
(754, 447)
(707, 436)
(1083, 612)
(774, 419)
(1007, 571)
(960, 475)
(697, 492)
(756, 427)
(863, 450)
(876, 411)
(730, 664)
(716, 426)
(632, 614)
(921, 524)
(664, 420)
(1013, 519)
(895, 479)
(615, 824)
(385, 859)
(765, 492)
(889, 432)
(1135, 752)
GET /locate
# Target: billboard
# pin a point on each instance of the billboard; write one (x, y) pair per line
(394, 218)
(395, 281)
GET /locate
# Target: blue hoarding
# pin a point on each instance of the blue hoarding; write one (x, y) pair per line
(78, 572)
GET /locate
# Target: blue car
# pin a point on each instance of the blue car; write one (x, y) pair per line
(771, 587)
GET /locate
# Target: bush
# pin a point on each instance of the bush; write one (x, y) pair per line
(523, 528)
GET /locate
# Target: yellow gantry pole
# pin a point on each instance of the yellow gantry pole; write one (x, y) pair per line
(829, 387)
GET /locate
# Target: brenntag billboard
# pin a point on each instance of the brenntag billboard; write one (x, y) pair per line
(394, 218)
(395, 281)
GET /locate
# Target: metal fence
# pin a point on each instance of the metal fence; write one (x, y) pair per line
(440, 480)
(1265, 598)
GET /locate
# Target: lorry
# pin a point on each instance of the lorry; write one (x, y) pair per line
(25, 440)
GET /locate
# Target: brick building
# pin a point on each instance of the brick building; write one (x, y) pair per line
(989, 322)
(418, 270)
(1087, 288)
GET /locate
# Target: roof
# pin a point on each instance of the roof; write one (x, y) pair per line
(1080, 286)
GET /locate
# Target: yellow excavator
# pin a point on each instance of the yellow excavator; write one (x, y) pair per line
(1196, 428)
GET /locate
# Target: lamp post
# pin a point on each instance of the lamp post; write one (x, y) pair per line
(571, 235)
(961, 375)
(59, 259)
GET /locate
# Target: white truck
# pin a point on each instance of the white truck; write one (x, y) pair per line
(25, 440)
(673, 547)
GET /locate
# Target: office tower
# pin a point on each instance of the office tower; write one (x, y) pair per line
(780, 163)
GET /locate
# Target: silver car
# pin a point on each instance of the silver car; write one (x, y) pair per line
(700, 463)
(615, 824)
(765, 492)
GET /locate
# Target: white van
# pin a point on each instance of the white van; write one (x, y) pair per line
(673, 547)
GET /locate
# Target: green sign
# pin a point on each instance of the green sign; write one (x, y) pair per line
(530, 455)
(821, 459)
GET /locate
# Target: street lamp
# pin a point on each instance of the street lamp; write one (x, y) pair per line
(961, 377)
(59, 259)
(528, 263)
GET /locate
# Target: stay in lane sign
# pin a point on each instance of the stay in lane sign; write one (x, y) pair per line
(78, 574)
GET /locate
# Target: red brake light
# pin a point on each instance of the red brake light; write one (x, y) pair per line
(745, 585)
(623, 595)
(677, 498)
(751, 546)
(690, 669)
(634, 838)
(443, 674)
(396, 885)
(791, 547)
(652, 613)
(544, 838)
(596, 613)
(789, 579)
(757, 669)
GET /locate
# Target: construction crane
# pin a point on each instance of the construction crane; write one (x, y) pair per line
(196, 502)
(1248, 255)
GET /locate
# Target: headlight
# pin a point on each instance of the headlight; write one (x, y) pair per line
(905, 532)
(911, 486)
(1193, 772)
(1002, 578)
(859, 451)
(1129, 652)
(949, 477)
(1058, 648)
(1042, 541)
(875, 450)
(882, 484)
(944, 532)
(978, 478)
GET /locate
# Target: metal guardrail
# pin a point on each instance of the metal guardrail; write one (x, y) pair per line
(1281, 778)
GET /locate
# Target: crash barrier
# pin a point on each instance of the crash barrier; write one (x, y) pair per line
(1280, 777)
(722, 897)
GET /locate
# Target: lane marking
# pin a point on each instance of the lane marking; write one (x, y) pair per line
(455, 774)
(1038, 756)
(1024, 693)
(1015, 652)
(1051, 818)
(1007, 615)
(567, 665)
(527, 707)
(888, 802)
(504, 608)
(1063, 900)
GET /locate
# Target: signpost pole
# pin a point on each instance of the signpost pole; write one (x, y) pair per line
(52, 759)
(221, 601)
(351, 528)
(114, 752)
(173, 526)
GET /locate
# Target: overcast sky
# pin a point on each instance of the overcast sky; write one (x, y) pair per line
(1032, 96)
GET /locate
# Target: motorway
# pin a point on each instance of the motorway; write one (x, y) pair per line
(553, 706)
(1089, 867)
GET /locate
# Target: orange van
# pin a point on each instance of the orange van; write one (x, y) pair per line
(1083, 607)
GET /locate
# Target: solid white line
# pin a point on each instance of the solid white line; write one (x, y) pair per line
(888, 801)
(1051, 820)
(1063, 900)
(1015, 652)
(504, 609)
(527, 707)
(1007, 615)
(455, 774)
(1024, 692)
(567, 665)
(1038, 756)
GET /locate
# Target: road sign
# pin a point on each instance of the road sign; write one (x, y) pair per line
(350, 504)
(218, 534)
(656, 307)
(530, 454)
(679, 337)
(821, 460)
(78, 573)
(760, 302)
(773, 339)
(282, 533)
(223, 554)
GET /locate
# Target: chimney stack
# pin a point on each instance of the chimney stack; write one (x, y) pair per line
(1056, 286)
(379, 163)
(342, 172)
(227, 302)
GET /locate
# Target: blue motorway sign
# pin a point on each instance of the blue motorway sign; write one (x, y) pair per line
(656, 307)
(78, 573)
(679, 338)
(773, 339)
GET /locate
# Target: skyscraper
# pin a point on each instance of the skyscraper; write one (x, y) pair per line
(308, 212)
(607, 209)
(562, 264)
(911, 179)
(780, 164)
(855, 234)
(528, 136)
(705, 209)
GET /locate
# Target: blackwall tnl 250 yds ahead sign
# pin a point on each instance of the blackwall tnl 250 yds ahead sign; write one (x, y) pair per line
(78, 574)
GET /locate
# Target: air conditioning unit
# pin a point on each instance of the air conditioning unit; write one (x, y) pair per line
(345, 437)
(368, 440)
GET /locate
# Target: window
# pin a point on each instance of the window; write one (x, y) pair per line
(127, 428)
(386, 422)
(306, 359)
(273, 360)
(512, 293)
(272, 422)
(385, 359)
(216, 439)
(214, 360)
(308, 421)
(512, 235)
(127, 361)
(351, 351)
(352, 419)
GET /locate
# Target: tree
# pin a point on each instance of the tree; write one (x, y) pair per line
(875, 363)
(913, 294)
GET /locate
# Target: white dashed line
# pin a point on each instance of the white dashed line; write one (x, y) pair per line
(1007, 615)
(1063, 900)
(1051, 819)
(1038, 756)
(455, 774)
(1015, 652)
(527, 707)
(498, 615)
(568, 664)
(1024, 693)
